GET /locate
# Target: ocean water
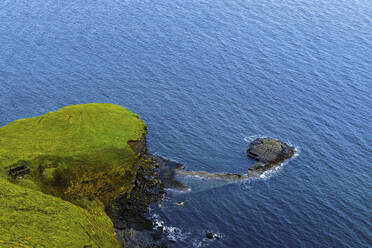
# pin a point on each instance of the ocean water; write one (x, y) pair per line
(206, 76)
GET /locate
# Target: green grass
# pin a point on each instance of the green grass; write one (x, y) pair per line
(29, 218)
(79, 160)
(90, 133)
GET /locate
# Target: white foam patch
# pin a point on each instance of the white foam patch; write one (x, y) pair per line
(176, 234)
(172, 233)
(197, 244)
(205, 241)
(249, 139)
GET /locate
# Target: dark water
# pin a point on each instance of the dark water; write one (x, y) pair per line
(204, 76)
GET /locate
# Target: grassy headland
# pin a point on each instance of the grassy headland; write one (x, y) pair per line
(80, 158)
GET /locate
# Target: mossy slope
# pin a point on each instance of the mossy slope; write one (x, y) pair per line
(80, 154)
(29, 218)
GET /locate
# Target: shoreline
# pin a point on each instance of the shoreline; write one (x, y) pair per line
(104, 171)
(130, 214)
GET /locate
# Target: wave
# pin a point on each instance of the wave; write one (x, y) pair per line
(176, 234)
(197, 243)
(172, 233)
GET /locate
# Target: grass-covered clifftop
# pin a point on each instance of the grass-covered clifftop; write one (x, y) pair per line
(80, 157)
(29, 218)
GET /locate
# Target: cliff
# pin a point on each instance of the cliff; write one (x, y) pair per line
(59, 171)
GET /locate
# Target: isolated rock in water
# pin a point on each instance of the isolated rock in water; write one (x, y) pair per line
(268, 152)
(209, 235)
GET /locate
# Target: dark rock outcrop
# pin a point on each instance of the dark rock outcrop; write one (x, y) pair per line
(268, 152)
(129, 213)
(167, 170)
(209, 235)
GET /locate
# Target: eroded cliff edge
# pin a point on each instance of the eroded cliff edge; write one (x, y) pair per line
(61, 172)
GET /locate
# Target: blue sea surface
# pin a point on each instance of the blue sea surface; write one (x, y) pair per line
(207, 76)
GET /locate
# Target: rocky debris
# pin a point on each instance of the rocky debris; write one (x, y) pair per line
(268, 152)
(133, 238)
(129, 213)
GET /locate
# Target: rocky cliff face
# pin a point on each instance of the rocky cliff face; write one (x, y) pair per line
(129, 211)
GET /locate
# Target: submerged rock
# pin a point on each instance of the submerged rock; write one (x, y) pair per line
(268, 152)
(212, 175)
